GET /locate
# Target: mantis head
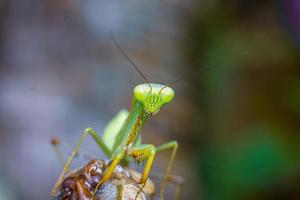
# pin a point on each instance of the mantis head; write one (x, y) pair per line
(153, 96)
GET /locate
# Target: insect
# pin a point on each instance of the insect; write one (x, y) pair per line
(80, 183)
(122, 140)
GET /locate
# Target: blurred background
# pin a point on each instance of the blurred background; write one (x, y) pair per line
(236, 112)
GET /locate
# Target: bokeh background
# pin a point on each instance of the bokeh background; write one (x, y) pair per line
(236, 112)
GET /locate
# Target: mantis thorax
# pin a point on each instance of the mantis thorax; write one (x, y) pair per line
(153, 96)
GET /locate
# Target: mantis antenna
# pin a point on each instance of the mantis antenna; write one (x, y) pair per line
(179, 79)
(129, 59)
(169, 84)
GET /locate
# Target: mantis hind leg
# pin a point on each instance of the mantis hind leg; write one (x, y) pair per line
(170, 145)
(179, 181)
(98, 140)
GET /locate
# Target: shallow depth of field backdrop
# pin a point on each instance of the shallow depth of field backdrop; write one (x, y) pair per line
(236, 114)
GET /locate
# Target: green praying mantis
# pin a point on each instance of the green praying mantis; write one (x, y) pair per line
(122, 140)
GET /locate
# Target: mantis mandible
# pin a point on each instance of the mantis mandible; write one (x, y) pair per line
(122, 138)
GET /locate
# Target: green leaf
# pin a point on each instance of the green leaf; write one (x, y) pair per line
(113, 127)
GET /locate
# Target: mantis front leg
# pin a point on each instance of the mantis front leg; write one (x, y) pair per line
(147, 151)
(140, 152)
(98, 140)
(117, 158)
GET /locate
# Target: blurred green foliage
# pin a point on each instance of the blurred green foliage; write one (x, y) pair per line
(247, 97)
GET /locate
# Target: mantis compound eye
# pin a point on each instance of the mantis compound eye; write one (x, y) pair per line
(140, 91)
(166, 94)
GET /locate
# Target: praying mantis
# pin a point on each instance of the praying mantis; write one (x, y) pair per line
(122, 140)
